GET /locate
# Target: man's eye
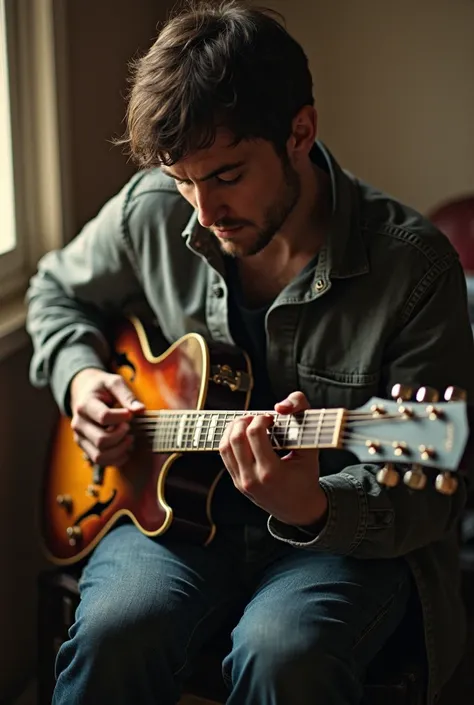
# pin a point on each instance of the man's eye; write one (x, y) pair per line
(228, 181)
(183, 183)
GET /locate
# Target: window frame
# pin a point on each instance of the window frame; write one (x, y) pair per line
(35, 33)
(12, 262)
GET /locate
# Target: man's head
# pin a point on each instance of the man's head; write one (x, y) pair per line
(223, 102)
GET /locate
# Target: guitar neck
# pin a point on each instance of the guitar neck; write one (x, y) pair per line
(180, 431)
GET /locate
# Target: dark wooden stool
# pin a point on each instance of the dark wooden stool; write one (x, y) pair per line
(396, 676)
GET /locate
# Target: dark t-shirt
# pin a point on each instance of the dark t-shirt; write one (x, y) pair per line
(247, 327)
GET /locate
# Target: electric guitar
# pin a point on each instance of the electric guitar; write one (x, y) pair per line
(191, 392)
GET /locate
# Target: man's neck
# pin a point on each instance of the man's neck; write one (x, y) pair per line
(268, 272)
(304, 232)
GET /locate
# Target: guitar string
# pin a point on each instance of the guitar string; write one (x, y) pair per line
(193, 417)
(219, 427)
(162, 423)
(191, 427)
(325, 437)
(213, 412)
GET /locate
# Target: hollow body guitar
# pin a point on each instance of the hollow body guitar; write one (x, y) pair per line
(191, 392)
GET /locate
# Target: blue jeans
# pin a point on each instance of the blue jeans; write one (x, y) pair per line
(309, 623)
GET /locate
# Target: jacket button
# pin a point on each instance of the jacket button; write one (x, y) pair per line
(218, 291)
(319, 286)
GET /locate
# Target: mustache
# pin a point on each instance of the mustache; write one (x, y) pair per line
(228, 223)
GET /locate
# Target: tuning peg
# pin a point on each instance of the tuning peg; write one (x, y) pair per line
(455, 394)
(427, 394)
(388, 476)
(401, 392)
(415, 478)
(446, 483)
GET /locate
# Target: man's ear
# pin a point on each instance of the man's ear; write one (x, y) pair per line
(304, 129)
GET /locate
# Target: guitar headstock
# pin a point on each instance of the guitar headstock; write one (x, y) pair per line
(414, 432)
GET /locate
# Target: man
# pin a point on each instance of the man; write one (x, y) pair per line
(243, 228)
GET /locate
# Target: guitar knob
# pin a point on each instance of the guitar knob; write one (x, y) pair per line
(446, 483)
(455, 394)
(74, 533)
(65, 501)
(427, 394)
(401, 392)
(415, 478)
(388, 476)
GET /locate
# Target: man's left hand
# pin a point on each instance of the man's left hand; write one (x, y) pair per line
(288, 487)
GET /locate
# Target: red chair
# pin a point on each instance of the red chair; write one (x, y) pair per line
(456, 220)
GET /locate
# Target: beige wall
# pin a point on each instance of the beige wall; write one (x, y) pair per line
(103, 36)
(394, 82)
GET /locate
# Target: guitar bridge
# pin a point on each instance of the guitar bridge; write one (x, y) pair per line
(237, 381)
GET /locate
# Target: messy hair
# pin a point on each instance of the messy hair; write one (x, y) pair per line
(215, 65)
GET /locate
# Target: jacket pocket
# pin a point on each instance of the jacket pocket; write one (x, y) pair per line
(330, 388)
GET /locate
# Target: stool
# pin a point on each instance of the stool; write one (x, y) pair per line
(395, 677)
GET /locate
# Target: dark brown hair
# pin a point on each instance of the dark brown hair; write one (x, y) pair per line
(213, 65)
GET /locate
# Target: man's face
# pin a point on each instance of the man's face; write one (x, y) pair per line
(243, 194)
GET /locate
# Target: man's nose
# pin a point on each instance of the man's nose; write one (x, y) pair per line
(209, 209)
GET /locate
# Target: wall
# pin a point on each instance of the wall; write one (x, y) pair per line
(103, 36)
(26, 416)
(394, 85)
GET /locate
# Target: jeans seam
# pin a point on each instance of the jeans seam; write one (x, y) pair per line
(370, 627)
(379, 616)
(213, 609)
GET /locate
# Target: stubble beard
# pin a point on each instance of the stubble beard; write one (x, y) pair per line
(275, 217)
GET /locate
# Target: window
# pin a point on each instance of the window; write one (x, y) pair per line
(31, 207)
(7, 203)
(11, 255)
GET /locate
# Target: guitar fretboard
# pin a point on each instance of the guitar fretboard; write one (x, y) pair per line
(178, 431)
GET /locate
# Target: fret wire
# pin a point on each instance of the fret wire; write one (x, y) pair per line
(158, 432)
(190, 431)
(319, 428)
(170, 429)
(164, 434)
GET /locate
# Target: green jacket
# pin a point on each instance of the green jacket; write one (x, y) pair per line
(385, 303)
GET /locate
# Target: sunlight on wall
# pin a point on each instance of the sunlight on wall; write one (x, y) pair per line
(7, 212)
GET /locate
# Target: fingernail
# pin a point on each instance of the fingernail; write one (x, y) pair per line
(136, 405)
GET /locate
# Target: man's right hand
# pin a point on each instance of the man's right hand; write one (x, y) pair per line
(102, 406)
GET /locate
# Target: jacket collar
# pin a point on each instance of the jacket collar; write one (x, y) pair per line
(344, 250)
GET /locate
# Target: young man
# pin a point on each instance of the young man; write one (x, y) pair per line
(242, 227)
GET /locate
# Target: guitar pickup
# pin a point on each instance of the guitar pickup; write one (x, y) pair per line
(237, 381)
